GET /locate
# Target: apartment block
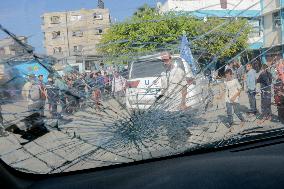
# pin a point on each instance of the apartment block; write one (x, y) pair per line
(72, 36)
(9, 47)
(74, 33)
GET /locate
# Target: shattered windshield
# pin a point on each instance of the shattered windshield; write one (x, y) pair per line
(67, 102)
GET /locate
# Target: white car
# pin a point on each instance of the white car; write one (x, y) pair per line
(148, 82)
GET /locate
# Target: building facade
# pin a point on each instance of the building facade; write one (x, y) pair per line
(273, 27)
(249, 9)
(73, 36)
(9, 47)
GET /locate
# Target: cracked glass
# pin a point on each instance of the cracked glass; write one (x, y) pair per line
(157, 83)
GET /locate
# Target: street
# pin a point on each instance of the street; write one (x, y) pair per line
(90, 138)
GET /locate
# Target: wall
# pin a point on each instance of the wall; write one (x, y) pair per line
(193, 5)
(270, 6)
(272, 36)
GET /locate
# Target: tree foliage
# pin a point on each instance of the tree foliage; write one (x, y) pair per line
(148, 31)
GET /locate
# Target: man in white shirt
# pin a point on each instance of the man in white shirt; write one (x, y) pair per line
(232, 94)
(26, 88)
(118, 85)
(176, 83)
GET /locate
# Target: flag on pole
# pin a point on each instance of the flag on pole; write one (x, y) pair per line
(185, 53)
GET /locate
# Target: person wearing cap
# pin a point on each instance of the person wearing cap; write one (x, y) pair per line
(176, 87)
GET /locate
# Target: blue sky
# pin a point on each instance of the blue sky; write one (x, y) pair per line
(22, 17)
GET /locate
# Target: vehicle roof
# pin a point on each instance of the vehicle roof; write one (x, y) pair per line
(153, 56)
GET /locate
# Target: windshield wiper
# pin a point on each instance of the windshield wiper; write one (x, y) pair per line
(250, 135)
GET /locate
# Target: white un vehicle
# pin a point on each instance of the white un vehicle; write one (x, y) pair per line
(148, 83)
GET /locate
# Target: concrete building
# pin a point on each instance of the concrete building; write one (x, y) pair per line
(73, 36)
(249, 9)
(9, 47)
(273, 27)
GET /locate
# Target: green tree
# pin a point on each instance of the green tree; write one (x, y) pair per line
(144, 10)
(147, 31)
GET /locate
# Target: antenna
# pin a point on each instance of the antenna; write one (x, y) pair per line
(101, 4)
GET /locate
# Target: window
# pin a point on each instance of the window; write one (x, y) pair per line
(75, 18)
(99, 31)
(154, 68)
(2, 51)
(88, 64)
(98, 16)
(256, 29)
(77, 33)
(55, 34)
(55, 19)
(276, 20)
(12, 49)
(57, 50)
(127, 99)
(78, 48)
(76, 68)
(79, 59)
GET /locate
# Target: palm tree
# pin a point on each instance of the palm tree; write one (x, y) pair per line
(143, 9)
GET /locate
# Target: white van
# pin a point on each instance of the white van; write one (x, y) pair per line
(148, 83)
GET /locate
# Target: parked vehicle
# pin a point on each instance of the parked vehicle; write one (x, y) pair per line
(148, 82)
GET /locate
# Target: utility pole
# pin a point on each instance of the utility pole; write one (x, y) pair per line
(67, 33)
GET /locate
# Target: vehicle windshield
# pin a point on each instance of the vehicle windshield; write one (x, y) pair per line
(151, 68)
(70, 97)
(146, 68)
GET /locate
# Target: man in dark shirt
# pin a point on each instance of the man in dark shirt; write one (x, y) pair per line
(100, 82)
(52, 96)
(265, 80)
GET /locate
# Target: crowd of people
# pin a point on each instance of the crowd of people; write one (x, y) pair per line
(75, 90)
(240, 77)
(72, 91)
